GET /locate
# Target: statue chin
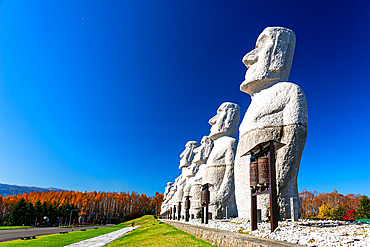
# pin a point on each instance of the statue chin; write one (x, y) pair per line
(254, 85)
(215, 135)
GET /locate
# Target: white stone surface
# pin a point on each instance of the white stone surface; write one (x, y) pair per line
(188, 154)
(326, 233)
(278, 111)
(164, 206)
(187, 157)
(176, 193)
(294, 208)
(201, 156)
(202, 153)
(171, 195)
(219, 170)
(103, 240)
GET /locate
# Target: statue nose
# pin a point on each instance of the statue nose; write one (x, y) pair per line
(212, 121)
(250, 58)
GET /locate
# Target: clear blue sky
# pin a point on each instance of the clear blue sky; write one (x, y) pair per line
(103, 95)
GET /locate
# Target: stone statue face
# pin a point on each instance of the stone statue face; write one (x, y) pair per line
(202, 152)
(270, 61)
(192, 170)
(187, 155)
(226, 122)
(168, 188)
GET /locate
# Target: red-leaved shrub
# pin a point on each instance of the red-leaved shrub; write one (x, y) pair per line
(350, 215)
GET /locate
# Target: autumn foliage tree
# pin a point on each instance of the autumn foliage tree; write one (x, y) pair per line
(325, 212)
(316, 205)
(112, 206)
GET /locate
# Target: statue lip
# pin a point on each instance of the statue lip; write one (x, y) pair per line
(247, 86)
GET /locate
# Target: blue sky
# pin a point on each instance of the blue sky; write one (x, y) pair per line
(103, 95)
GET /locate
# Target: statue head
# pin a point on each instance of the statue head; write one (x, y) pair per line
(187, 155)
(168, 187)
(270, 61)
(202, 152)
(226, 122)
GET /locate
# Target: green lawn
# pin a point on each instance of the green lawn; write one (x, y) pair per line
(157, 233)
(73, 237)
(151, 233)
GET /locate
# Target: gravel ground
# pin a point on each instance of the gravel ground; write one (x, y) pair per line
(303, 232)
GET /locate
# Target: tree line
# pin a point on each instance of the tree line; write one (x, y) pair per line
(87, 206)
(334, 206)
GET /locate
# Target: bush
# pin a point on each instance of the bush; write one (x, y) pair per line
(350, 215)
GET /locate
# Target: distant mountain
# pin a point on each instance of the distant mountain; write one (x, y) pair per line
(8, 190)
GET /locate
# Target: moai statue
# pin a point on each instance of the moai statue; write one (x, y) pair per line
(278, 111)
(190, 174)
(201, 156)
(171, 196)
(186, 158)
(219, 172)
(164, 206)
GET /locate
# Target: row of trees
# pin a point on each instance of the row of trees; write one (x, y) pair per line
(24, 208)
(28, 214)
(335, 206)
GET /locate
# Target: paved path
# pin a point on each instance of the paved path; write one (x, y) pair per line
(12, 234)
(103, 239)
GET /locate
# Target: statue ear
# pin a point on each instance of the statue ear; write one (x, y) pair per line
(280, 49)
(229, 118)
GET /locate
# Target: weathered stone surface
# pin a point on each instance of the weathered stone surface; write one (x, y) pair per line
(202, 153)
(219, 172)
(201, 156)
(226, 238)
(278, 111)
(167, 190)
(186, 160)
(170, 197)
(188, 154)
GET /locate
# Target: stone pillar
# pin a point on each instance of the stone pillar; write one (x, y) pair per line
(294, 208)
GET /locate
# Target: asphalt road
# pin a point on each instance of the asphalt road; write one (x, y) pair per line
(12, 234)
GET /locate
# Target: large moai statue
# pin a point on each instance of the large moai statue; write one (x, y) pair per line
(278, 111)
(195, 187)
(166, 197)
(219, 172)
(186, 160)
(192, 170)
(171, 195)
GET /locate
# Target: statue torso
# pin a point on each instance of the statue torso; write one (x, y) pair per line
(282, 104)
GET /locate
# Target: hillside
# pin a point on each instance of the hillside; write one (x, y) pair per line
(8, 190)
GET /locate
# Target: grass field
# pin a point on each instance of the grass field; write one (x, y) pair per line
(55, 240)
(151, 233)
(156, 233)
